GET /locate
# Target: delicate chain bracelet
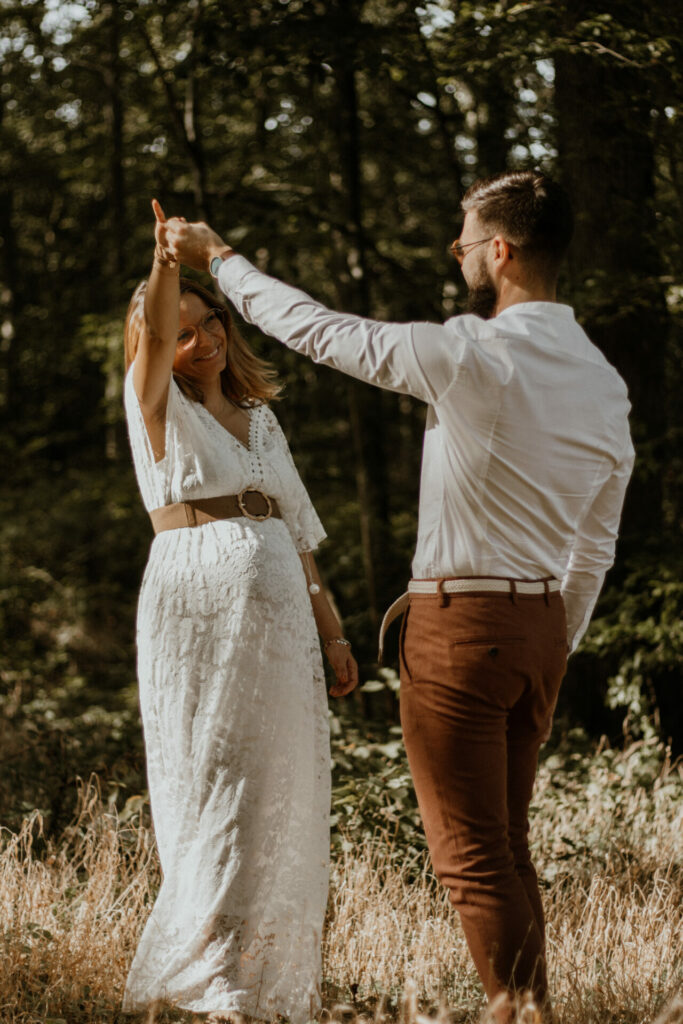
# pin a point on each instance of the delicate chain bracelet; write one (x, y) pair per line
(164, 259)
(337, 640)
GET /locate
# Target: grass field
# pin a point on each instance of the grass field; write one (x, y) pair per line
(608, 835)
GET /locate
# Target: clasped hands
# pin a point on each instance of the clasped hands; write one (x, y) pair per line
(194, 244)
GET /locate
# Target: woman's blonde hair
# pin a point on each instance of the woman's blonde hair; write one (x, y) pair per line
(246, 379)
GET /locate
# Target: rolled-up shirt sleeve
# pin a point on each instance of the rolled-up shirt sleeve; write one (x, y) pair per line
(593, 550)
(419, 359)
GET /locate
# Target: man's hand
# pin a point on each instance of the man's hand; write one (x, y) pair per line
(195, 244)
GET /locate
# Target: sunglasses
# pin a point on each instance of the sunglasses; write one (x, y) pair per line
(460, 251)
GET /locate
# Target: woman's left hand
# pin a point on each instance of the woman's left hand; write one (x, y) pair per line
(345, 669)
(161, 230)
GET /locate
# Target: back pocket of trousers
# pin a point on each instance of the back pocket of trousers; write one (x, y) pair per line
(484, 641)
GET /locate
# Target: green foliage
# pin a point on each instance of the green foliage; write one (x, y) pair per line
(640, 631)
(585, 797)
(332, 142)
(68, 701)
(372, 792)
(582, 799)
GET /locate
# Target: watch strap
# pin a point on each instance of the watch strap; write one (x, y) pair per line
(217, 261)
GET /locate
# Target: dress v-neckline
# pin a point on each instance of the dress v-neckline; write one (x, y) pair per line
(248, 447)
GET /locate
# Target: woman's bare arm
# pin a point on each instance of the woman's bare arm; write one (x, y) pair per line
(329, 627)
(158, 339)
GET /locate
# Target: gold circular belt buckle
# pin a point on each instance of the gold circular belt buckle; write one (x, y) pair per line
(259, 517)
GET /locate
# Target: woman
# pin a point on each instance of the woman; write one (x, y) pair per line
(231, 682)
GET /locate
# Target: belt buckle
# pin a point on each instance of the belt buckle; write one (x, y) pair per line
(259, 517)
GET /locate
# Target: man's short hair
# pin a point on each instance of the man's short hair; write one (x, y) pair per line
(532, 212)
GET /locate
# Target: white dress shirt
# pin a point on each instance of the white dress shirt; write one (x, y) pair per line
(527, 451)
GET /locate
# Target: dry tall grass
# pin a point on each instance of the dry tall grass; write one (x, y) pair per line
(610, 852)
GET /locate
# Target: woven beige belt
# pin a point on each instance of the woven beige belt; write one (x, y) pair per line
(484, 585)
(463, 585)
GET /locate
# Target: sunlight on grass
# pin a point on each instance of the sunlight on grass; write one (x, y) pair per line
(609, 853)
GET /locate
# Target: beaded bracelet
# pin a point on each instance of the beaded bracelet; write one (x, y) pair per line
(337, 640)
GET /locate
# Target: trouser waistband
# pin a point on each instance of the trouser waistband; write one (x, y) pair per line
(463, 585)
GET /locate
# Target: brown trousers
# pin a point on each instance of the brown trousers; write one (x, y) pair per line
(480, 674)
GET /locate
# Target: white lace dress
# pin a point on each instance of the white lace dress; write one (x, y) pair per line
(234, 713)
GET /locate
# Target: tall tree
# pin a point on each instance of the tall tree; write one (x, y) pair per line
(604, 78)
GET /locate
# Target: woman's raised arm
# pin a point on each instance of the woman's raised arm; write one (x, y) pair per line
(158, 338)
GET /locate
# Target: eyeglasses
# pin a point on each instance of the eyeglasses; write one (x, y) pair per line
(458, 250)
(211, 323)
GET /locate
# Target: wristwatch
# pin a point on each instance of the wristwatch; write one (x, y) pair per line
(217, 262)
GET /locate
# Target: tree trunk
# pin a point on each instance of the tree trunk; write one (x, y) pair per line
(365, 405)
(191, 123)
(184, 114)
(115, 114)
(9, 298)
(119, 229)
(495, 112)
(8, 307)
(443, 121)
(606, 156)
(614, 264)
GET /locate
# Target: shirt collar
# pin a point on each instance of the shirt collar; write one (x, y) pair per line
(557, 309)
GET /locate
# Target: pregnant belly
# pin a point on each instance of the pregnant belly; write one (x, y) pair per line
(196, 570)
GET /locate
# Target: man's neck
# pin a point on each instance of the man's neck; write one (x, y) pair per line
(511, 293)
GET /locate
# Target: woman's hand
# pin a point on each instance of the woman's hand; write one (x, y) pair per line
(344, 666)
(160, 230)
(329, 626)
(161, 233)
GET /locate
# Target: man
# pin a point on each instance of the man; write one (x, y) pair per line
(527, 455)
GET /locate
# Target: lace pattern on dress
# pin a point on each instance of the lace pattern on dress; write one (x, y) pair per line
(234, 713)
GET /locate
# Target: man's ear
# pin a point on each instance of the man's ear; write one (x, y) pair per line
(502, 251)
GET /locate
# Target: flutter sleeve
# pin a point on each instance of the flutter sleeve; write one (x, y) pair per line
(298, 513)
(153, 477)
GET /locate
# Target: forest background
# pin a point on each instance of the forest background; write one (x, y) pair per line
(330, 141)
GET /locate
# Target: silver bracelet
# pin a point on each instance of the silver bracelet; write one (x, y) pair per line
(337, 640)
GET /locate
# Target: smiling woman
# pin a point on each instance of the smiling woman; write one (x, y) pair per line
(243, 377)
(231, 683)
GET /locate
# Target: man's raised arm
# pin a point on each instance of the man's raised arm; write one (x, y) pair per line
(420, 359)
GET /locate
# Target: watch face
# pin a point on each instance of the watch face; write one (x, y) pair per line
(215, 265)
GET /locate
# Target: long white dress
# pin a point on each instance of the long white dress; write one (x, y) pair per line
(234, 714)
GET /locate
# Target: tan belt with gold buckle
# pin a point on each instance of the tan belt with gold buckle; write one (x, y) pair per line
(198, 511)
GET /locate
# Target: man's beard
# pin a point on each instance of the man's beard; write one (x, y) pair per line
(481, 295)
